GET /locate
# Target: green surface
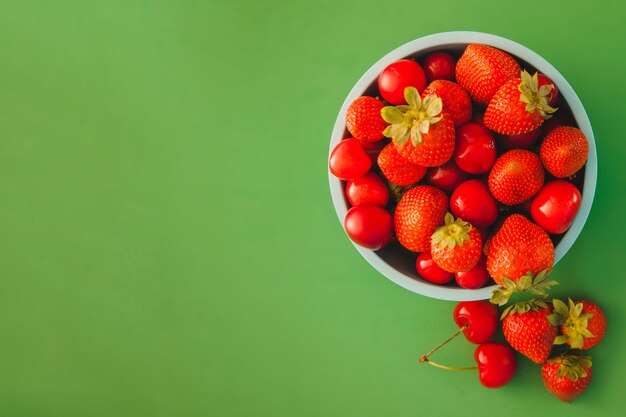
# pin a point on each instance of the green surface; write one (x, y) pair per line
(168, 245)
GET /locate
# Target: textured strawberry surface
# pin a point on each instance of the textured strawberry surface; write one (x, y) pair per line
(363, 119)
(398, 169)
(437, 145)
(516, 176)
(456, 101)
(564, 151)
(530, 333)
(419, 212)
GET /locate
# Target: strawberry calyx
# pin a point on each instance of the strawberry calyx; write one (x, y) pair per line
(572, 366)
(453, 233)
(413, 120)
(522, 307)
(536, 285)
(535, 97)
(573, 320)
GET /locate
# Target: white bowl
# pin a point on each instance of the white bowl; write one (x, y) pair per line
(394, 264)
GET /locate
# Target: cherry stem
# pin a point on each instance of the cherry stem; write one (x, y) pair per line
(458, 332)
(446, 367)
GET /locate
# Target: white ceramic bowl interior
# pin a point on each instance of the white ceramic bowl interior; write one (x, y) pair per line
(392, 262)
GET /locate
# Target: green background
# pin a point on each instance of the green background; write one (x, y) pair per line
(167, 241)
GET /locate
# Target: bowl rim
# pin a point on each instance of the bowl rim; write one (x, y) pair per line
(443, 40)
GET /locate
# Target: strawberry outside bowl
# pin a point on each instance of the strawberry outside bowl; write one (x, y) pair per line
(392, 261)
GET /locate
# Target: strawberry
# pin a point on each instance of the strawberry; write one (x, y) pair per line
(397, 169)
(363, 119)
(421, 131)
(519, 106)
(583, 324)
(456, 102)
(456, 246)
(482, 70)
(420, 210)
(519, 247)
(526, 327)
(564, 151)
(567, 376)
(516, 176)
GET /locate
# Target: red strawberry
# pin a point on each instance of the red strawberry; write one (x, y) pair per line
(519, 247)
(363, 119)
(398, 169)
(421, 131)
(516, 176)
(583, 324)
(526, 327)
(456, 102)
(567, 376)
(482, 70)
(564, 151)
(419, 212)
(456, 246)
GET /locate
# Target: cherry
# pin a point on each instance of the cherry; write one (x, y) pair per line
(479, 319)
(430, 271)
(523, 141)
(555, 206)
(496, 364)
(447, 176)
(473, 202)
(554, 93)
(475, 150)
(368, 189)
(369, 226)
(348, 160)
(439, 66)
(475, 277)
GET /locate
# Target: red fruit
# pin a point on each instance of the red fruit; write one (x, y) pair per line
(398, 169)
(496, 364)
(428, 269)
(519, 106)
(477, 117)
(567, 376)
(447, 176)
(456, 246)
(421, 131)
(553, 95)
(480, 319)
(368, 189)
(523, 141)
(368, 226)
(564, 151)
(348, 160)
(519, 246)
(439, 66)
(397, 76)
(456, 102)
(474, 278)
(372, 149)
(475, 150)
(556, 205)
(363, 119)
(473, 202)
(419, 212)
(482, 70)
(527, 329)
(516, 176)
(582, 323)
(484, 232)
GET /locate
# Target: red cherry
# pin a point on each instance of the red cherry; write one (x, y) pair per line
(481, 318)
(368, 226)
(348, 160)
(554, 94)
(447, 176)
(397, 76)
(484, 232)
(555, 206)
(368, 189)
(475, 150)
(475, 277)
(496, 364)
(439, 66)
(523, 141)
(430, 271)
(472, 202)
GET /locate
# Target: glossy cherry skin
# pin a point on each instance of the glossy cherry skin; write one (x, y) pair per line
(475, 150)
(496, 364)
(472, 202)
(368, 189)
(369, 226)
(523, 141)
(555, 206)
(397, 76)
(439, 66)
(430, 271)
(447, 176)
(554, 93)
(348, 160)
(481, 317)
(475, 277)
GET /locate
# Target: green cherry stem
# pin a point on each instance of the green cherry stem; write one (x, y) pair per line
(447, 368)
(424, 358)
